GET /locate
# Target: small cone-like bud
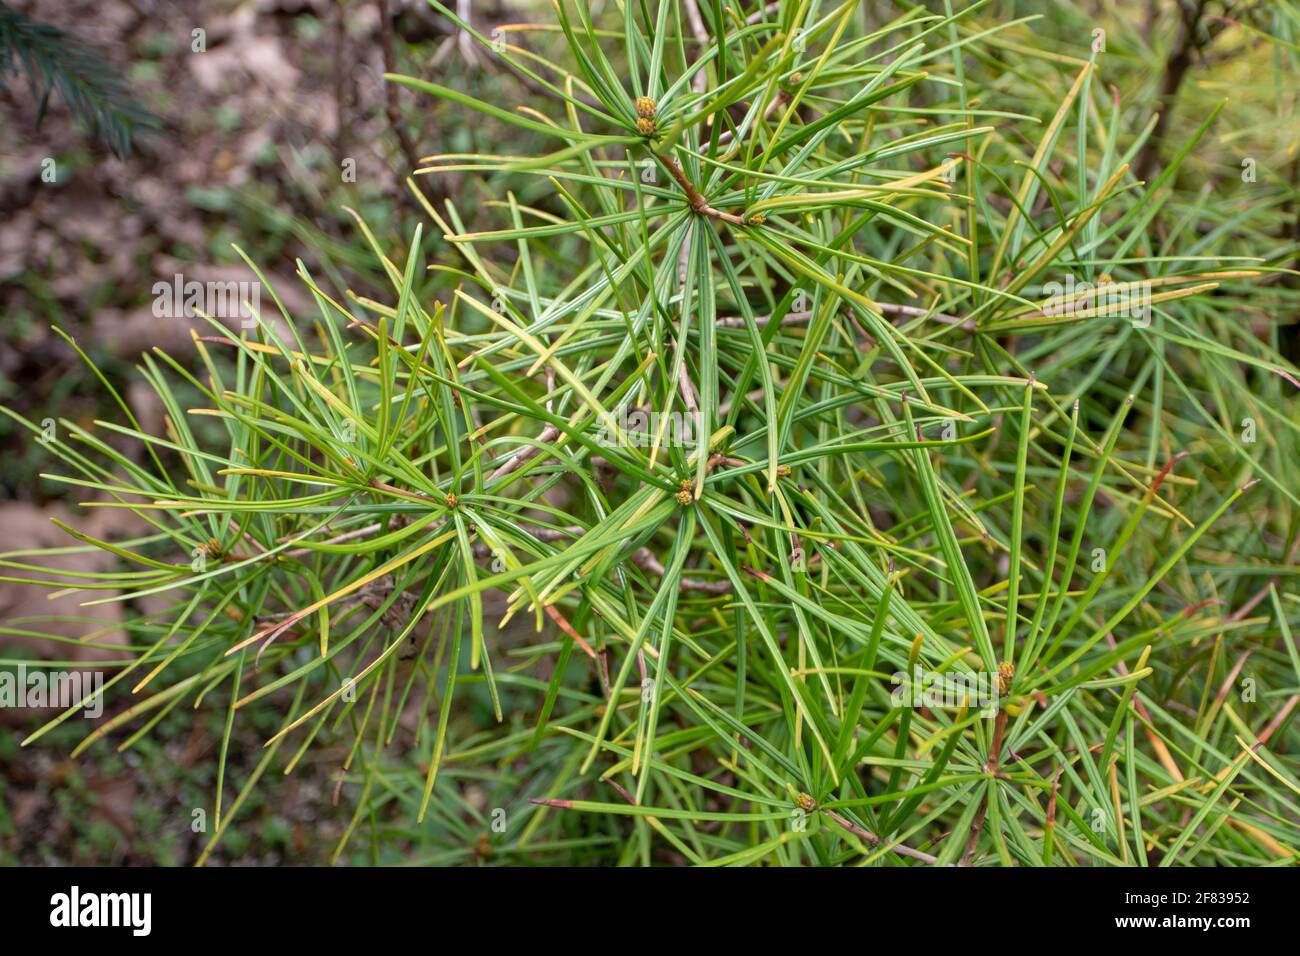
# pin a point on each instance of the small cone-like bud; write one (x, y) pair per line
(1006, 671)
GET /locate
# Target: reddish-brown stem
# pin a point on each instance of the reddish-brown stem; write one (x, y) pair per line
(872, 840)
(991, 765)
(698, 203)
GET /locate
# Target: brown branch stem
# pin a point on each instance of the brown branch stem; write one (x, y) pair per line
(698, 203)
(871, 839)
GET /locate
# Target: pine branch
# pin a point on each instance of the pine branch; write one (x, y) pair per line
(54, 60)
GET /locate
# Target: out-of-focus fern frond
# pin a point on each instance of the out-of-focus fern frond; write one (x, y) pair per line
(54, 59)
